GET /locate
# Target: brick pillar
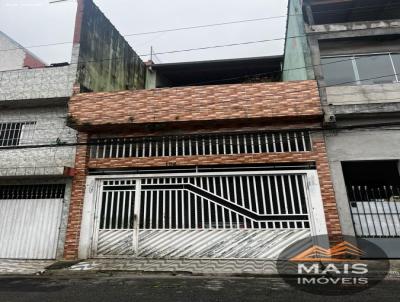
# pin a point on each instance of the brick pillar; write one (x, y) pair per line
(327, 191)
(77, 199)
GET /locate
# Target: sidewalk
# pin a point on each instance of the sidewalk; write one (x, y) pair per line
(23, 267)
(232, 267)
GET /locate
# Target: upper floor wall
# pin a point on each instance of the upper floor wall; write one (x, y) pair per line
(36, 142)
(30, 85)
(197, 104)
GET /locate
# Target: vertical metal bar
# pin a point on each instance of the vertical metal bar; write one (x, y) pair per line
(224, 144)
(245, 143)
(299, 201)
(209, 204)
(249, 199)
(289, 142)
(215, 205)
(223, 196)
(117, 209)
(203, 224)
(235, 199)
(273, 142)
(284, 193)
(263, 195)
(303, 141)
(291, 194)
(277, 195)
(266, 142)
(157, 205)
(258, 224)
(243, 198)
(228, 192)
(252, 143)
(130, 207)
(281, 142)
(259, 143)
(111, 210)
(296, 143)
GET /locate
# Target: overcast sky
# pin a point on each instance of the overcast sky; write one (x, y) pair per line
(36, 22)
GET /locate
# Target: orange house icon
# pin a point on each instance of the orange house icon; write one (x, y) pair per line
(341, 252)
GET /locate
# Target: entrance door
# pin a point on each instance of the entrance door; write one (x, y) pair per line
(116, 220)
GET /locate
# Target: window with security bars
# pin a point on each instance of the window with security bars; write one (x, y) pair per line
(36, 191)
(192, 145)
(15, 134)
(373, 189)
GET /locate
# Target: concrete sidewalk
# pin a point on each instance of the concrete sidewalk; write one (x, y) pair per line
(23, 267)
(231, 267)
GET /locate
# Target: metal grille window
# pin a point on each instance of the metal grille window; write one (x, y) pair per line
(375, 210)
(217, 144)
(14, 134)
(37, 191)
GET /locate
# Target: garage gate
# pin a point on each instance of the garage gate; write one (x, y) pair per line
(30, 218)
(204, 215)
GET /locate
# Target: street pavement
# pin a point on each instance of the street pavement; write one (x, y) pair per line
(165, 288)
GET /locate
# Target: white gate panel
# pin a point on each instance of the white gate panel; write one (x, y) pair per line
(29, 228)
(226, 244)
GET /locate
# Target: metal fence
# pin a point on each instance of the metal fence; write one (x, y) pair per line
(375, 210)
(212, 144)
(213, 202)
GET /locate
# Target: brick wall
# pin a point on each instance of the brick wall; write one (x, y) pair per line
(198, 103)
(185, 107)
(77, 197)
(317, 156)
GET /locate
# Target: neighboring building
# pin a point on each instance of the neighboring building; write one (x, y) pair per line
(14, 56)
(37, 148)
(352, 48)
(235, 171)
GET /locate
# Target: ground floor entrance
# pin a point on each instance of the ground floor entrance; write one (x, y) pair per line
(240, 214)
(30, 218)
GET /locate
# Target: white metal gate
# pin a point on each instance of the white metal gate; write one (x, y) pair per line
(29, 221)
(209, 215)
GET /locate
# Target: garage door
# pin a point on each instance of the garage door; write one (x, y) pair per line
(230, 215)
(30, 220)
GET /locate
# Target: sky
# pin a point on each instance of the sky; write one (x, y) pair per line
(38, 22)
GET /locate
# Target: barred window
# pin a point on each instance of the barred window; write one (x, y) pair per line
(210, 144)
(14, 134)
(36, 191)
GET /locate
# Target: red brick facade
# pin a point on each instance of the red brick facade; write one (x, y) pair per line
(86, 113)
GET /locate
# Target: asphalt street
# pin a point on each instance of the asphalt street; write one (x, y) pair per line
(106, 288)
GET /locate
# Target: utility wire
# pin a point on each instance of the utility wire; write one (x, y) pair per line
(209, 25)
